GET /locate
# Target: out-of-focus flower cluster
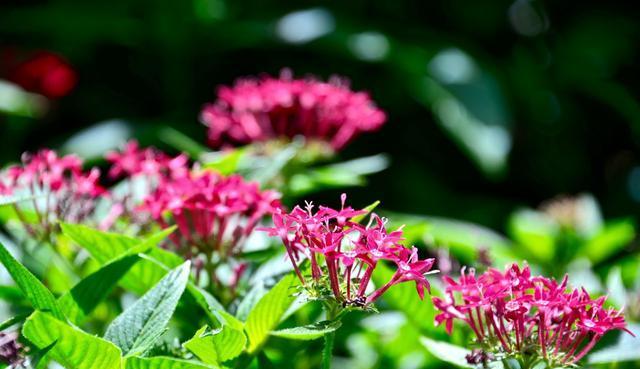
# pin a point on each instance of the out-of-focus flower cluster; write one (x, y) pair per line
(57, 187)
(42, 72)
(260, 109)
(515, 313)
(343, 254)
(214, 215)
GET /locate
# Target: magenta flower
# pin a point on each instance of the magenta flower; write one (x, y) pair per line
(58, 187)
(261, 109)
(343, 254)
(214, 214)
(151, 162)
(518, 312)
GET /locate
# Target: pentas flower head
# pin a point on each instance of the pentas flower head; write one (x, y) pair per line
(214, 214)
(343, 254)
(265, 108)
(135, 161)
(514, 314)
(58, 187)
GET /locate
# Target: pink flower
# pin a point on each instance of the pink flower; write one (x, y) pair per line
(214, 214)
(134, 161)
(60, 190)
(260, 109)
(518, 311)
(343, 254)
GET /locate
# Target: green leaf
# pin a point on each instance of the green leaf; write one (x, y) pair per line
(88, 293)
(447, 352)
(39, 296)
(225, 162)
(403, 297)
(308, 332)
(181, 142)
(368, 209)
(535, 232)
(106, 247)
(137, 329)
(14, 320)
(217, 346)
(73, 349)
(11, 294)
(610, 240)
(268, 312)
(161, 362)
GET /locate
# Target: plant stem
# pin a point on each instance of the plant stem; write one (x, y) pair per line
(329, 339)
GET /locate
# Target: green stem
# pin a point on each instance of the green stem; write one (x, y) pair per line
(329, 339)
(333, 312)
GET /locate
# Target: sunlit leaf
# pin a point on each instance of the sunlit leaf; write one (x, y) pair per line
(162, 362)
(624, 349)
(610, 240)
(269, 311)
(447, 352)
(73, 348)
(138, 328)
(308, 332)
(39, 296)
(218, 345)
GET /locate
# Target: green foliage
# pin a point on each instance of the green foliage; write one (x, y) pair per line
(40, 297)
(269, 311)
(73, 348)
(80, 301)
(308, 332)
(105, 247)
(138, 328)
(447, 352)
(218, 345)
(162, 363)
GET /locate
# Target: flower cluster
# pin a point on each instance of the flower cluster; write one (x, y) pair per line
(260, 109)
(214, 214)
(57, 189)
(343, 253)
(144, 169)
(134, 161)
(514, 313)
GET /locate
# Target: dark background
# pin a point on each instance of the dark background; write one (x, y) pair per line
(560, 78)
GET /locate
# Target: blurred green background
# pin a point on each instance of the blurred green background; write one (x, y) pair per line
(492, 105)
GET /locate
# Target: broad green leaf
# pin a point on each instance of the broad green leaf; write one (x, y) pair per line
(39, 296)
(73, 349)
(624, 349)
(217, 346)
(88, 293)
(161, 362)
(268, 312)
(106, 247)
(137, 329)
(308, 332)
(403, 297)
(272, 166)
(447, 352)
(610, 240)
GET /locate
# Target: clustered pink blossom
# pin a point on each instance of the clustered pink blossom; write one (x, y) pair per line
(144, 169)
(260, 109)
(213, 213)
(350, 251)
(58, 189)
(516, 311)
(150, 162)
